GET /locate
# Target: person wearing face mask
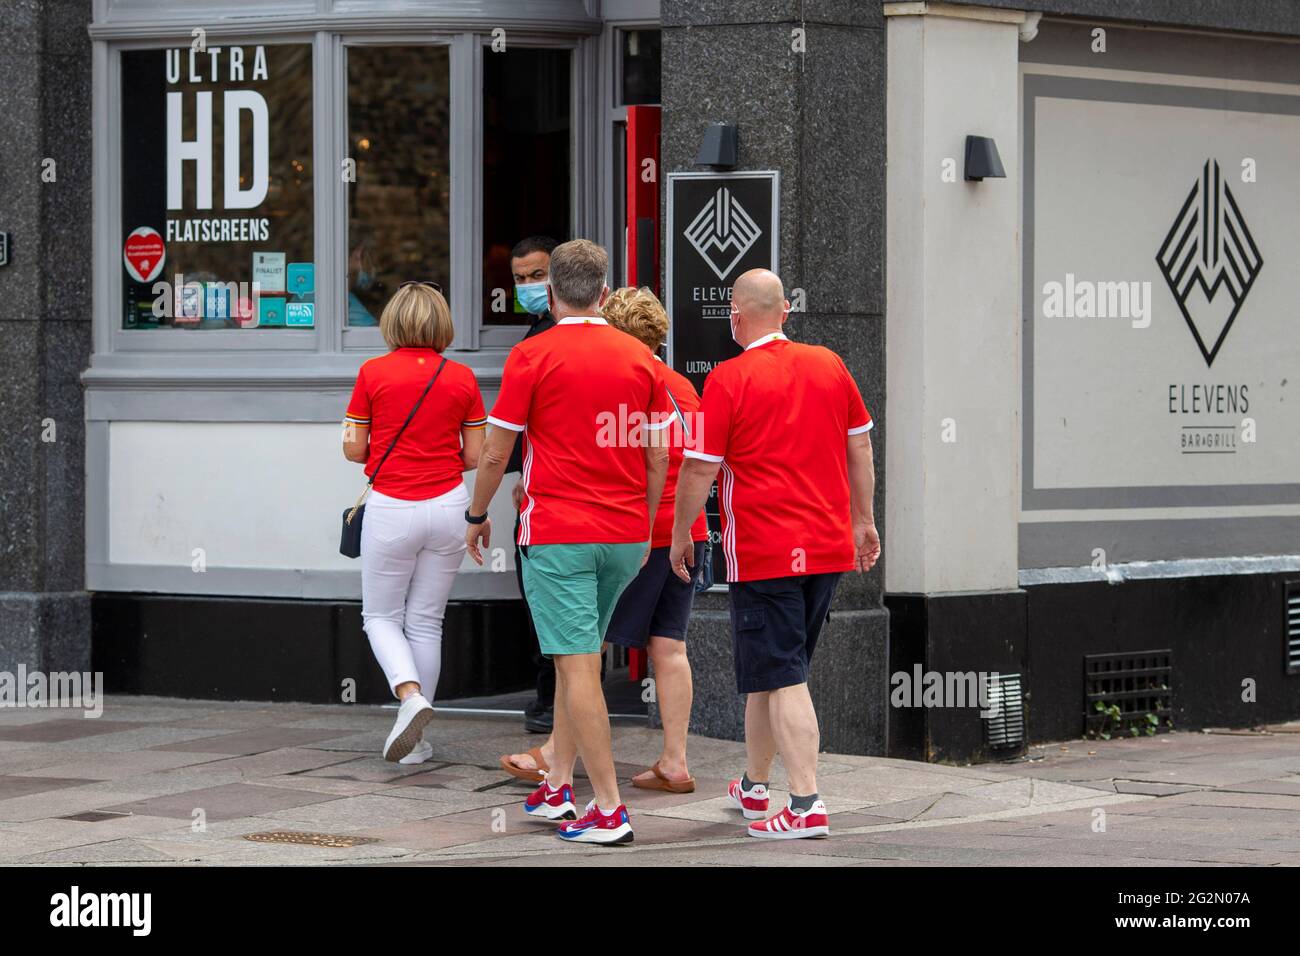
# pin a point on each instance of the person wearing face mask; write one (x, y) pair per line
(530, 266)
(361, 278)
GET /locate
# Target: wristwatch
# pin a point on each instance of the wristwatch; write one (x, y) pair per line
(472, 520)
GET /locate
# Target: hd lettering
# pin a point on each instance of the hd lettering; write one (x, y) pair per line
(195, 156)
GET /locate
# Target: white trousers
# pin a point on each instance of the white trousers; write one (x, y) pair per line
(410, 553)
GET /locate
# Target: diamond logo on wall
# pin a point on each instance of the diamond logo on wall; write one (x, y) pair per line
(1209, 251)
(722, 232)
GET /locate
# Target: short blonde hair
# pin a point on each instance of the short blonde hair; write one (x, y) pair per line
(639, 313)
(417, 316)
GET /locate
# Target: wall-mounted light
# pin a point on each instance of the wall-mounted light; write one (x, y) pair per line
(982, 159)
(719, 147)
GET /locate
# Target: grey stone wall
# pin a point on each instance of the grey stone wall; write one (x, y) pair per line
(45, 316)
(819, 117)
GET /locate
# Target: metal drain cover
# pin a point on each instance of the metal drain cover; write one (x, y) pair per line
(308, 839)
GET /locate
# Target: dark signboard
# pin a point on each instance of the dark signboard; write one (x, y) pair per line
(719, 225)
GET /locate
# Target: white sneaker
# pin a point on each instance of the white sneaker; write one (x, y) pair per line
(419, 754)
(412, 717)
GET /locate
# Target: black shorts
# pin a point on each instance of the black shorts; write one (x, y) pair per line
(775, 624)
(656, 604)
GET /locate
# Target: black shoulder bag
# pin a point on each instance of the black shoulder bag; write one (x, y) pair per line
(704, 573)
(350, 542)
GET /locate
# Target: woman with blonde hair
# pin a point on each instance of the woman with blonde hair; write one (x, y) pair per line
(416, 421)
(654, 609)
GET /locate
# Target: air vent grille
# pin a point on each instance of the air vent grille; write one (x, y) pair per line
(1293, 627)
(1135, 691)
(1004, 727)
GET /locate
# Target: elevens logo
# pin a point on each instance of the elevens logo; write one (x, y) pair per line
(1209, 247)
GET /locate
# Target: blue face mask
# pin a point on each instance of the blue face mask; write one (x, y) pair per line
(532, 296)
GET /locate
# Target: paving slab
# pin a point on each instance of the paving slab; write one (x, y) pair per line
(121, 789)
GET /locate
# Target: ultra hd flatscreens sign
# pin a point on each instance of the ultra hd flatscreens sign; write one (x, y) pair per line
(1161, 351)
(720, 225)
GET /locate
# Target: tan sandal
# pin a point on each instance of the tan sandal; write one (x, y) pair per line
(521, 773)
(661, 782)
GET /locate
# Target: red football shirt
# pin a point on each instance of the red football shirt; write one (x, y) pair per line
(688, 403)
(582, 394)
(778, 417)
(425, 462)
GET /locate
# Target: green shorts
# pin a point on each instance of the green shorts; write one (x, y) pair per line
(572, 590)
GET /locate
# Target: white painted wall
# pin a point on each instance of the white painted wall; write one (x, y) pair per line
(251, 495)
(953, 312)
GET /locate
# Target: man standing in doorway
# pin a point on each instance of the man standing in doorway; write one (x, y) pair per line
(787, 426)
(530, 265)
(587, 397)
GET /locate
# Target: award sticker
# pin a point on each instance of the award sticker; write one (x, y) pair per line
(270, 311)
(302, 278)
(216, 302)
(144, 254)
(269, 269)
(189, 304)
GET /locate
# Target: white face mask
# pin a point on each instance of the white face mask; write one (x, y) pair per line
(734, 314)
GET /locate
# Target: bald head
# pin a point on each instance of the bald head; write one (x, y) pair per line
(758, 304)
(759, 292)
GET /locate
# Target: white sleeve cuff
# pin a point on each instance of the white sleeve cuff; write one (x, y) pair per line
(659, 426)
(689, 453)
(862, 428)
(510, 426)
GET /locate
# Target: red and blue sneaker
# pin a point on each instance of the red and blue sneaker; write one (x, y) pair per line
(597, 827)
(551, 803)
(791, 824)
(752, 803)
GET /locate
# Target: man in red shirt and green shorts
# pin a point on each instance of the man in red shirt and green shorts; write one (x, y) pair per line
(590, 404)
(786, 425)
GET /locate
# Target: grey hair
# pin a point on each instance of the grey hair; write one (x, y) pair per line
(578, 269)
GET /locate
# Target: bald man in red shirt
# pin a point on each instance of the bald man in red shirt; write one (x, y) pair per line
(786, 426)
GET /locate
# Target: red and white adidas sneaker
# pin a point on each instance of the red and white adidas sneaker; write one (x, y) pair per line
(752, 803)
(597, 827)
(791, 824)
(547, 803)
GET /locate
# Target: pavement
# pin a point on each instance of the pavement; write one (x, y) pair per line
(156, 781)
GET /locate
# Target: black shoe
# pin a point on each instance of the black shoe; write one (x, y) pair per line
(535, 707)
(542, 723)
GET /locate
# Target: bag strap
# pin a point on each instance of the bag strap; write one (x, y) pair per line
(414, 409)
(680, 417)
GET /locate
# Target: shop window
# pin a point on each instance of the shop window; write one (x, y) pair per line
(399, 119)
(527, 164)
(216, 173)
(640, 56)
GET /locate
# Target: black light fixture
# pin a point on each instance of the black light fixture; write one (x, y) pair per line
(982, 159)
(719, 147)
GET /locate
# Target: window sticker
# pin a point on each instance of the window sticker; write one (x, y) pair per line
(302, 278)
(270, 311)
(144, 254)
(269, 272)
(300, 314)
